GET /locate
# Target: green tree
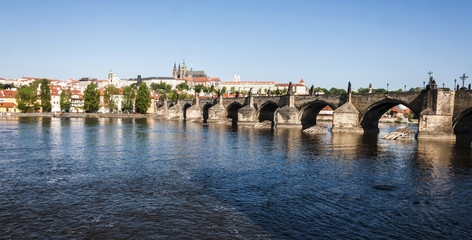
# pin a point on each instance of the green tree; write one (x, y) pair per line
(108, 101)
(232, 90)
(65, 100)
(363, 90)
(143, 99)
(154, 86)
(182, 86)
(223, 90)
(172, 96)
(277, 92)
(91, 98)
(36, 83)
(162, 86)
(198, 88)
(45, 96)
(409, 116)
(379, 90)
(399, 120)
(5, 86)
(127, 105)
(337, 91)
(26, 99)
(320, 89)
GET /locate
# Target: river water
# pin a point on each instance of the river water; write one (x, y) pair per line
(146, 178)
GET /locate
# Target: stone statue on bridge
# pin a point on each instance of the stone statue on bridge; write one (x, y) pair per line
(432, 83)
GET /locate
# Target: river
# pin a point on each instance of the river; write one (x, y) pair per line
(147, 178)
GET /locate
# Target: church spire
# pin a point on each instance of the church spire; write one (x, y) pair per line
(174, 72)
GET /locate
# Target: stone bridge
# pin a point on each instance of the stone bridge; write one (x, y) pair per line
(440, 113)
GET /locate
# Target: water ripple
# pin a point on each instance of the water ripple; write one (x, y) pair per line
(144, 178)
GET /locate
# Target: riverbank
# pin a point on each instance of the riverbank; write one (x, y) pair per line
(84, 115)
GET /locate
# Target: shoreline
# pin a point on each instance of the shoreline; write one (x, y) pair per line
(85, 115)
(132, 115)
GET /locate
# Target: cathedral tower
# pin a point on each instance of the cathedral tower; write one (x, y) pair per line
(174, 72)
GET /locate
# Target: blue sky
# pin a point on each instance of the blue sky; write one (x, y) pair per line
(327, 43)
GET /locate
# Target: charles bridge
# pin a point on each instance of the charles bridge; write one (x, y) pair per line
(441, 113)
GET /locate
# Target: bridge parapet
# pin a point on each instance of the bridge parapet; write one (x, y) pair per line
(435, 108)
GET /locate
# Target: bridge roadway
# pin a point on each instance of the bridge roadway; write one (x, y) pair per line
(440, 113)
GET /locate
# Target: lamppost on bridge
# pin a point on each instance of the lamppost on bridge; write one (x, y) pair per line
(455, 84)
(424, 86)
(387, 87)
(404, 87)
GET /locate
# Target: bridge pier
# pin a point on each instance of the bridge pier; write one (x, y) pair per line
(162, 112)
(247, 114)
(194, 113)
(435, 122)
(216, 113)
(175, 112)
(346, 119)
(287, 116)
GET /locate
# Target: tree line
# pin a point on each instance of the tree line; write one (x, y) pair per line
(140, 101)
(132, 101)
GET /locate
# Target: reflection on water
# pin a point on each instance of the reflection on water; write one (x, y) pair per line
(346, 145)
(146, 178)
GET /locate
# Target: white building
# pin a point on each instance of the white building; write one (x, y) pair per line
(262, 87)
(77, 100)
(298, 88)
(239, 86)
(117, 99)
(56, 91)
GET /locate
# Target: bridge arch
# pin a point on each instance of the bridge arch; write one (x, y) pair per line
(310, 111)
(370, 120)
(184, 109)
(205, 109)
(266, 111)
(462, 123)
(232, 111)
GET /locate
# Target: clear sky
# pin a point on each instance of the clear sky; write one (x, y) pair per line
(327, 43)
